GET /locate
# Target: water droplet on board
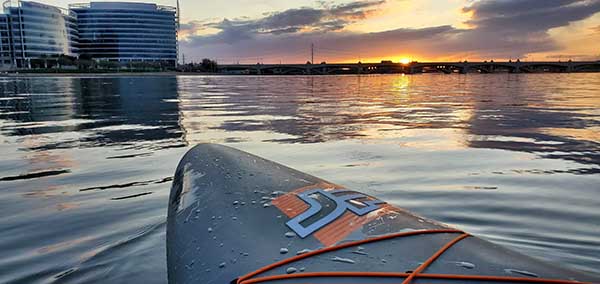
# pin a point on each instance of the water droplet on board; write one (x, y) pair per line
(291, 270)
(222, 264)
(283, 250)
(522, 272)
(236, 202)
(303, 251)
(210, 229)
(465, 264)
(344, 260)
(266, 205)
(290, 234)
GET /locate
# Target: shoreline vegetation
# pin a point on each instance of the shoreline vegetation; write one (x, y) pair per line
(63, 65)
(107, 74)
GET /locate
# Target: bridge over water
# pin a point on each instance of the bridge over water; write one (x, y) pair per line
(413, 67)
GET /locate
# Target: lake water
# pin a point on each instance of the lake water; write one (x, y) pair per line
(87, 161)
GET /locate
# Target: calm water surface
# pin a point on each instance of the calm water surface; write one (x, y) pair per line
(87, 162)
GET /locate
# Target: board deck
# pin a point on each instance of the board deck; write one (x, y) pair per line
(235, 218)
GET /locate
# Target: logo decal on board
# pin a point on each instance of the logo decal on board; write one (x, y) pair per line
(342, 200)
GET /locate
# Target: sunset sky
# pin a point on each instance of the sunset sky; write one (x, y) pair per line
(248, 31)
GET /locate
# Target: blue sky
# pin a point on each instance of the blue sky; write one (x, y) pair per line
(372, 30)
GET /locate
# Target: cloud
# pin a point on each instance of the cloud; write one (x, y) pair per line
(528, 15)
(356, 10)
(569, 56)
(498, 29)
(294, 47)
(514, 28)
(190, 28)
(305, 19)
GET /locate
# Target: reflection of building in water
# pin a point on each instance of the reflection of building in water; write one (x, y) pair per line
(92, 111)
(38, 100)
(133, 109)
(26, 115)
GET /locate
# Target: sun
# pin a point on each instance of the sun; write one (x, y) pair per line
(405, 60)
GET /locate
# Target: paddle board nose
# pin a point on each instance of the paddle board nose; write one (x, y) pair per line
(237, 218)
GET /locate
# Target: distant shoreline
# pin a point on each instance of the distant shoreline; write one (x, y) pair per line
(384, 67)
(171, 74)
(174, 73)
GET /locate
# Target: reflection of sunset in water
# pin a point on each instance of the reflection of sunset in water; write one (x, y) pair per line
(591, 134)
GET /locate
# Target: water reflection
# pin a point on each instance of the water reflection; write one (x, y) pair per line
(540, 118)
(93, 111)
(513, 113)
(510, 113)
(87, 161)
(317, 110)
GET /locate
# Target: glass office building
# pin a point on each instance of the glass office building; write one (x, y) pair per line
(5, 50)
(36, 30)
(120, 32)
(125, 32)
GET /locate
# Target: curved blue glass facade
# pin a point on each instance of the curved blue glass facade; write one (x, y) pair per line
(5, 48)
(124, 32)
(36, 30)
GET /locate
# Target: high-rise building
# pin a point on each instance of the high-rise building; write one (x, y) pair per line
(36, 30)
(120, 32)
(125, 31)
(5, 50)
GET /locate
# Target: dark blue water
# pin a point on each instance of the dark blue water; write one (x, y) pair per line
(87, 161)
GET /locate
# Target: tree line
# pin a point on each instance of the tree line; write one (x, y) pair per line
(87, 63)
